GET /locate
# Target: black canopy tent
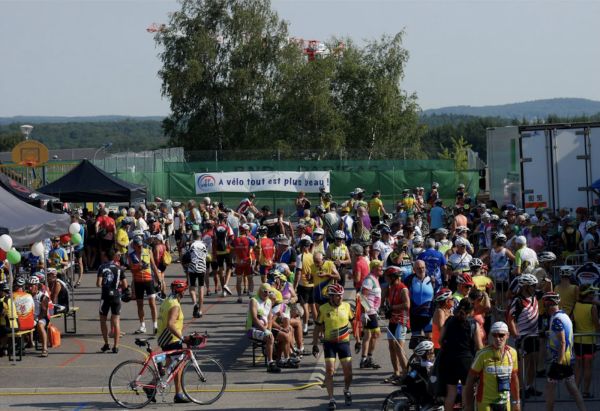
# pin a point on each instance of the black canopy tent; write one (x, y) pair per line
(24, 193)
(86, 182)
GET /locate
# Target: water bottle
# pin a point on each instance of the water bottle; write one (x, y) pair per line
(175, 363)
(160, 363)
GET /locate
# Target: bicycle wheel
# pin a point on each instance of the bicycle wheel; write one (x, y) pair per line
(130, 387)
(398, 401)
(207, 385)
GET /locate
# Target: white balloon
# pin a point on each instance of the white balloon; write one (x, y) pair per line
(74, 228)
(6, 242)
(37, 249)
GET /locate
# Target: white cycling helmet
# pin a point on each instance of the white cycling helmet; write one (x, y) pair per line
(546, 257)
(418, 240)
(339, 235)
(476, 262)
(423, 348)
(527, 279)
(589, 225)
(461, 241)
(566, 271)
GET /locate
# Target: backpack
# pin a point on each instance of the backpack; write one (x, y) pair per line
(221, 238)
(167, 258)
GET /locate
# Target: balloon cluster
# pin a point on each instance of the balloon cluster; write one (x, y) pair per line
(6, 244)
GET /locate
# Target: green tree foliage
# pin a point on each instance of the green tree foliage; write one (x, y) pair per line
(458, 153)
(236, 82)
(9, 139)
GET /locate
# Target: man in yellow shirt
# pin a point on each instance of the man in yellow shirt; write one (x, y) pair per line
(376, 209)
(170, 329)
(123, 240)
(334, 325)
(497, 369)
(323, 274)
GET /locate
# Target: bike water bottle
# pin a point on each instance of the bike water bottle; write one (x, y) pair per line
(160, 363)
(175, 363)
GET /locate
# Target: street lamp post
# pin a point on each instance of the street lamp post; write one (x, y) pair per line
(102, 147)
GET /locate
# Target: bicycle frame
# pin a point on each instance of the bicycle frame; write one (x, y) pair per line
(151, 362)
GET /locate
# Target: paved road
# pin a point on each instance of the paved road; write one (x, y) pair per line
(75, 375)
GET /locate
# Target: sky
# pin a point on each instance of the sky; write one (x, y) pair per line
(94, 57)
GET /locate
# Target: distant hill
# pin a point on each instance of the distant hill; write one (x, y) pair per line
(135, 134)
(536, 109)
(82, 119)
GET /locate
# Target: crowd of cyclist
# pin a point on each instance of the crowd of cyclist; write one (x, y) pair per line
(460, 279)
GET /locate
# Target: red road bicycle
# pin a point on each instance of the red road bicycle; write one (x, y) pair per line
(135, 383)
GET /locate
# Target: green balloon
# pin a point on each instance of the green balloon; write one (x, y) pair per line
(13, 256)
(76, 239)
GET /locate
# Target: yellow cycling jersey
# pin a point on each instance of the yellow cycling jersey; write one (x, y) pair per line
(491, 366)
(336, 252)
(337, 322)
(165, 336)
(326, 268)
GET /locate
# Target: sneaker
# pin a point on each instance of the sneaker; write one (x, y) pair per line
(141, 330)
(331, 405)
(223, 294)
(273, 368)
(196, 313)
(115, 350)
(239, 300)
(292, 363)
(305, 329)
(294, 360)
(180, 399)
(347, 398)
(245, 292)
(105, 348)
(227, 290)
(364, 363)
(199, 314)
(373, 364)
(208, 293)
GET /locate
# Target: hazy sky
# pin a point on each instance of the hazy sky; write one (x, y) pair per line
(94, 57)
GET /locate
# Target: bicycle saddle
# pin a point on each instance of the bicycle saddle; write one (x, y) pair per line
(140, 342)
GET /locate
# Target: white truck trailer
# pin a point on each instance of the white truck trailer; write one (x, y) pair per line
(547, 165)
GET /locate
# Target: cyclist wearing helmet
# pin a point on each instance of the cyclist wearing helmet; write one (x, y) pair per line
(585, 318)
(111, 278)
(523, 317)
(560, 347)
(376, 208)
(334, 325)
(523, 254)
(398, 301)
(170, 328)
(500, 258)
(285, 253)
(370, 299)
(458, 262)
(323, 274)
(464, 284)
(434, 261)
(242, 247)
(433, 195)
(24, 303)
(265, 250)
(338, 251)
(480, 280)
(496, 369)
(41, 302)
(544, 271)
(569, 293)
(444, 305)
(400, 257)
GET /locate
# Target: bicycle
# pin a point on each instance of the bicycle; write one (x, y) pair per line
(135, 383)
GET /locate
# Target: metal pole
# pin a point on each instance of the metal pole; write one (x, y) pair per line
(12, 314)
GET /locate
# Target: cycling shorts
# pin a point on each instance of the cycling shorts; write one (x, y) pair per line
(340, 350)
